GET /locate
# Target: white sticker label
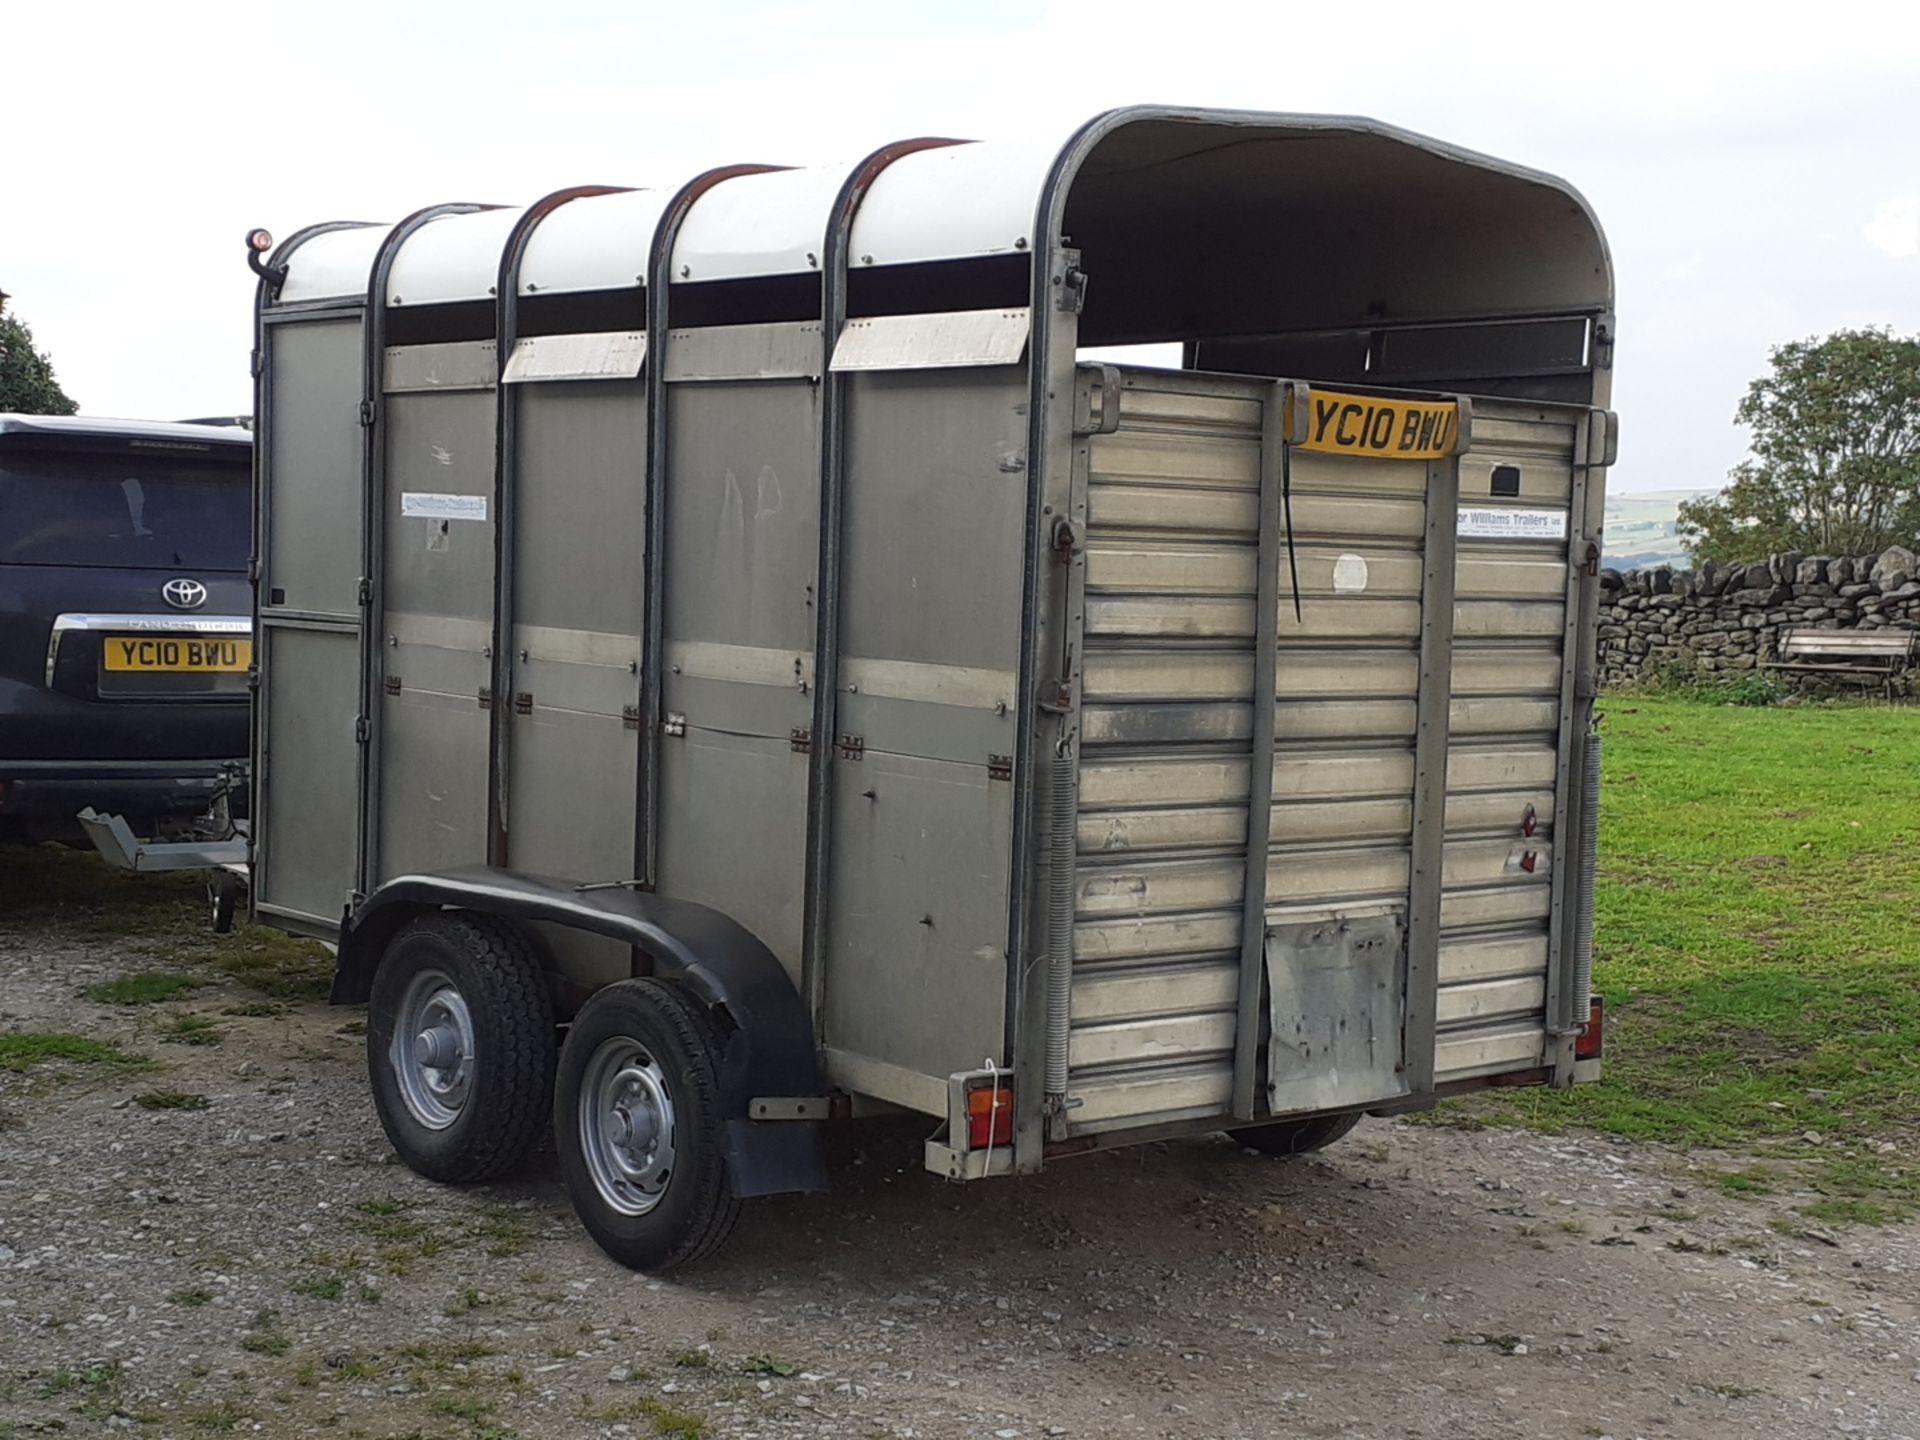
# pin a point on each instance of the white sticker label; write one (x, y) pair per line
(1513, 524)
(443, 507)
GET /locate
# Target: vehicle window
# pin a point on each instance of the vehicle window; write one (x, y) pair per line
(124, 510)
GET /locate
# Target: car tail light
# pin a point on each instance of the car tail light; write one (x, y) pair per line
(1593, 1039)
(989, 1117)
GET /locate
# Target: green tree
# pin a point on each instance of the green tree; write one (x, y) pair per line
(1835, 464)
(27, 385)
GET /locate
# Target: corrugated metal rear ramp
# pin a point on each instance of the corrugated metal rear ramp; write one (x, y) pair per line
(1172, 548)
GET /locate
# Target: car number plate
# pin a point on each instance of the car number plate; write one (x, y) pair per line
(177, 654)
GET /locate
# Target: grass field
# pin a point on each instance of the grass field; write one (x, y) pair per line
(1758, 941)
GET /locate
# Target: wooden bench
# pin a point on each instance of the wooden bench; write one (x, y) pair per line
(1881, 655)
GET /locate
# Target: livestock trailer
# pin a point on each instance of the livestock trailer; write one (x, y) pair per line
(776, 631)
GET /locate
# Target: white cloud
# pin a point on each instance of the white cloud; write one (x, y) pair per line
(1895, 227)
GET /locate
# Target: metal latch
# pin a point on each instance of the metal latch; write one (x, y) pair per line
(674, 725)
(800, 740)
(853, 747)
(1073, 290)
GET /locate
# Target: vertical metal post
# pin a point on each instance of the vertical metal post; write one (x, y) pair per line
(1432, 732)
(1576, 711)
(1275, 436)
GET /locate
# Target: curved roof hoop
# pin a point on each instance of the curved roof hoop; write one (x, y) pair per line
(834, 272)
(373, 476)
(506, 466)
(659, 260)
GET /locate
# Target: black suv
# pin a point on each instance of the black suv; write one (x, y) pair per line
(125, 620)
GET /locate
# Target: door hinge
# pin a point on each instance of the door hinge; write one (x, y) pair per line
(675, 725)
(485, 697)
(630, 716)
(366, 412)
(999, 767)
(391, 685)
(523, 702)
(853, 747)
(800, 740)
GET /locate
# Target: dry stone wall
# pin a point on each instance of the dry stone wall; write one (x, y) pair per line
(1729, 617)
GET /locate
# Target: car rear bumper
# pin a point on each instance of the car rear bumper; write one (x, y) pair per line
(49, 793)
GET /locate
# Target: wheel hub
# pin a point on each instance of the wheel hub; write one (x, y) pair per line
(627, 1126)
(433, 1049)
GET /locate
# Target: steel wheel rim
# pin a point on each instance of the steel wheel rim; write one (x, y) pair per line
(627, 1125)
(432, 1053)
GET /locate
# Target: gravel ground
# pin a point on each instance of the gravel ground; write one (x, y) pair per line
(262, 1265)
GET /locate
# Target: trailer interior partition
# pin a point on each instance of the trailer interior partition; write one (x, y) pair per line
(767, 587)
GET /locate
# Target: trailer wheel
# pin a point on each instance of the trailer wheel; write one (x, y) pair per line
(223, 897)
(1284, 1138)
(638, 1126)
(460, 1046)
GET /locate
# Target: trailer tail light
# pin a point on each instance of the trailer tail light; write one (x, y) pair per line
(989, 1117)
(1593, 1039)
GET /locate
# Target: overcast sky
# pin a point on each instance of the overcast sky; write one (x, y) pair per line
(1757, 167)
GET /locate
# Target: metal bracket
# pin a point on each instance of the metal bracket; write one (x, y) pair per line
(800, 740)
(853, 747)
(675, 725)
(789, 1107)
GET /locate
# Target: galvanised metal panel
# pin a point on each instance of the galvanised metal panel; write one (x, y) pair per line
(916, 960)
(437, 587)
(742, 518)
(933, 540)
(312, 559)
(580, 511)
(1172, 544)
(303, 849)
(1510, 623)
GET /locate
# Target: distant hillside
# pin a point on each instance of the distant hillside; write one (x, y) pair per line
(1642, 526)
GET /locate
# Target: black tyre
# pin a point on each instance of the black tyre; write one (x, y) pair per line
(1295, 1137)
(638, 1126)
(223, 898)
(460, 1046)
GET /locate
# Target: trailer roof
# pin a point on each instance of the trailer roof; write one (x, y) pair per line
(1360, 219)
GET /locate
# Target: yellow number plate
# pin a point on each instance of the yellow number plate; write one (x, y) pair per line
(1340, 424)
(178, 654)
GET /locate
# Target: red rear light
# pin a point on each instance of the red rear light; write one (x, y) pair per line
(1593, 1040)
(989, 1117)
